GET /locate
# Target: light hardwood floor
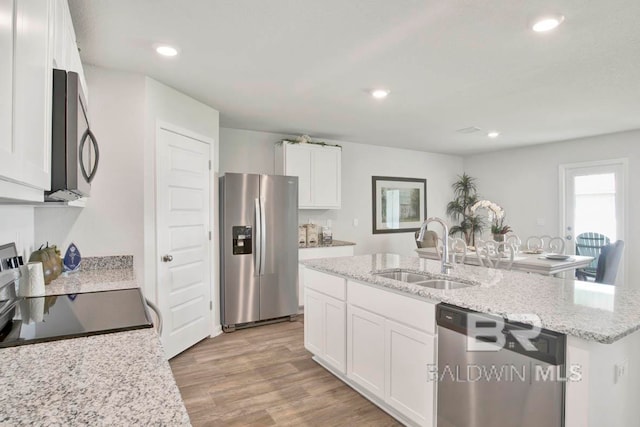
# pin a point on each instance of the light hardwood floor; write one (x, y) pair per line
(263, 376)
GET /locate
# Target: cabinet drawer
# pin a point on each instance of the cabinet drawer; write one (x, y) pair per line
(327, 284)
(410, 311)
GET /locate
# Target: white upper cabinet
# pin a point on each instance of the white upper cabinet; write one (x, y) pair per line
(9, 164)
(65, 51)
(318, 169)
(35, 37)
(32, 91)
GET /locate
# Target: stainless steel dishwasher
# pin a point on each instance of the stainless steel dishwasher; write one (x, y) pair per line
(506, 387)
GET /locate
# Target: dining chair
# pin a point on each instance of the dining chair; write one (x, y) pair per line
(545, 238)
(590, 244)
(609, 262)
(429, 239)
(458, 250)
(535, 243)
(556, 245)
(492, 255)
(513, 239)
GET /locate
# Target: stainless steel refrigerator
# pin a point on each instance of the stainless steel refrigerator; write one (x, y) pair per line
(259, 250)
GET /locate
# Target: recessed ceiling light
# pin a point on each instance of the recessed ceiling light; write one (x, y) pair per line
(379, 93)
(493, 134)
(547, 23)
(165, 50)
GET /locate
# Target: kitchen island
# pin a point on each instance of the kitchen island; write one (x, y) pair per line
(600, 322)
(119, 378)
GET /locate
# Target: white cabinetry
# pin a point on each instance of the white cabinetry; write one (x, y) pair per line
(318, 169)
(390, 344)
(320, 252)
(365, 350)
(408, 387)
(9, 157)
(35, 36)
(325, 319)
(32, 92)
(65, 51)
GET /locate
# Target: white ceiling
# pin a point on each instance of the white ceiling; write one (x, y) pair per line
(303, 66)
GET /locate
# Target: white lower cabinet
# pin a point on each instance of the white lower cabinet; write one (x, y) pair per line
(408, 388)
(324, 328)
(365, 350)
(390, 343)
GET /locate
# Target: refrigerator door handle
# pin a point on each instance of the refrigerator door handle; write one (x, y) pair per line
(263, 237)
(258, 236)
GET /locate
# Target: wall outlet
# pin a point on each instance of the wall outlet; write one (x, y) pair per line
(328, 223)
(620, 370)
(355, 222)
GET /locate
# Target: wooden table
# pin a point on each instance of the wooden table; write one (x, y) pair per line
(532, 263)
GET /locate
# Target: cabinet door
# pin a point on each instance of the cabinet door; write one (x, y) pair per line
(9, 161)
(32, 91)
(366, 350)
(326, 177)
(408, 388)
(298, 163)
(314, 322)
(335, 330)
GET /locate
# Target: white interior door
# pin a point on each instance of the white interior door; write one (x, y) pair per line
(593, 201)
(183, 237)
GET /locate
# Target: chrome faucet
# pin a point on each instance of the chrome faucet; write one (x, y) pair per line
(446, 266)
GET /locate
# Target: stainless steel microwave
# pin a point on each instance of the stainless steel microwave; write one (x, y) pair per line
(74, 151)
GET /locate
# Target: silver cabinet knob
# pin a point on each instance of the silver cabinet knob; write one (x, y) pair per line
(569, 237)
(167, 258)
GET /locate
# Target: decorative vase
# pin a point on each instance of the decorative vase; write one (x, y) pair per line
(499, 238)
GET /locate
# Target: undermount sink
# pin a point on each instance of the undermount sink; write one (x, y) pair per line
(444, 284)
(403, 276)
(421, 279)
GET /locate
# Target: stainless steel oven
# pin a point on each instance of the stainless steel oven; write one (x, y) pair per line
(74, 151)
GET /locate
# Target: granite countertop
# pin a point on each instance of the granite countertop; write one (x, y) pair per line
(120, 378)
(590, 311)
(333, 244)
(92, 281)
(112, 379)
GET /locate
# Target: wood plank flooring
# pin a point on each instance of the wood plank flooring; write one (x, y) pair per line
(264, 376)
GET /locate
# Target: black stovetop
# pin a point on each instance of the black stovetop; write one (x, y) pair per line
(51, 318)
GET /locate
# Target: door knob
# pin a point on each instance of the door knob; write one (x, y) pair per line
(167, 258)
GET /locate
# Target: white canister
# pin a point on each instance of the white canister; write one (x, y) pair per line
(302, 236)
(312, 235)
(32, 280)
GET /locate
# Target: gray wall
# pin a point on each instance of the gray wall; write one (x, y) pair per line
(526, 183)
(253, 152)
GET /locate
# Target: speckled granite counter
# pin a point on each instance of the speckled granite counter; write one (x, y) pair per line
(92, 281)
(593, 312)
(334, 244)
(113, 379)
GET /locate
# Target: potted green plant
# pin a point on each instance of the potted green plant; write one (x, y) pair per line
(459, 209)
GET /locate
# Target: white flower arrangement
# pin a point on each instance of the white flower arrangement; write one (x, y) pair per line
(487, 204)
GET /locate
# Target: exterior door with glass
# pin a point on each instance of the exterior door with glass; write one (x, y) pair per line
(593, 207)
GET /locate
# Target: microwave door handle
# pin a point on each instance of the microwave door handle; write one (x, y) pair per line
(81, 157)
(91, 137)
(96, 151)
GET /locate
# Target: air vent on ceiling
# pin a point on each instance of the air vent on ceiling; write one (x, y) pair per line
(470, 129)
